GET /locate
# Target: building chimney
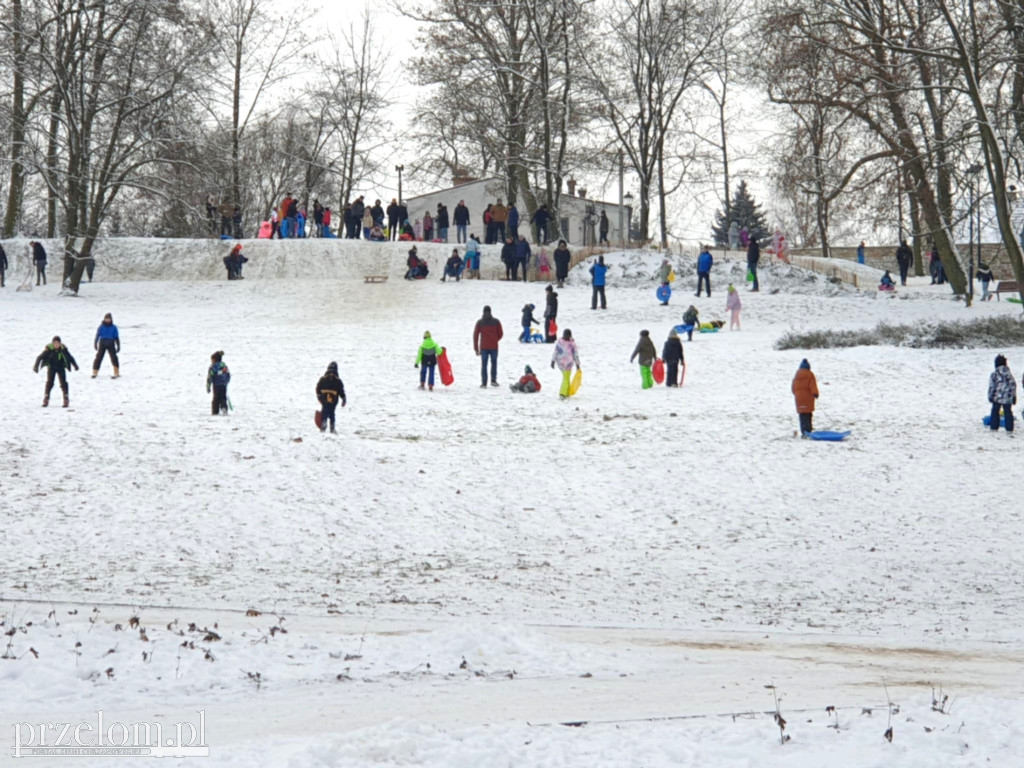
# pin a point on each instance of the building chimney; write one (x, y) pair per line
(571, 184)
(461, 177)
(583, 192)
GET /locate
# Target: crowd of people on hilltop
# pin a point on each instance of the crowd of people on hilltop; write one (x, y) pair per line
(359, 220)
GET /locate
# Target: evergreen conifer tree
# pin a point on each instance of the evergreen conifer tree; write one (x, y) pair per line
(745, 211)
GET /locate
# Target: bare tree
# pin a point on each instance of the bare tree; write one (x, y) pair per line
(653, 53)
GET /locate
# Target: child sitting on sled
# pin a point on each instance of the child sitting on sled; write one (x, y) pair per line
(527, 384)
(887, 283)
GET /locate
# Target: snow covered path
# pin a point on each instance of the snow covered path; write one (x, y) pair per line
(690, 516)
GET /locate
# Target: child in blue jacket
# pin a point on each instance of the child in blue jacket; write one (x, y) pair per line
(528, 320)
(106, 342)
(217, 378)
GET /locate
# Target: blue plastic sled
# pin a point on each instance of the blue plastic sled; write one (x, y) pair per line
(684, 328)
(832, 437)
(226, 237)
(537, 338)
(664, 293)
(987, 421)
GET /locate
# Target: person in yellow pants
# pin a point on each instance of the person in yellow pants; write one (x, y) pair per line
(565, 357)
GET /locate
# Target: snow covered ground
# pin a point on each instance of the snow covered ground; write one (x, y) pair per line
(621, 556)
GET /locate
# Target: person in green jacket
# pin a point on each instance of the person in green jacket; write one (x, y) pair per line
(57, 359)
(426, 360)
(647, 353)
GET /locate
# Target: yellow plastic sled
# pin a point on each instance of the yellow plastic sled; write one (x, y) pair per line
(574, 385)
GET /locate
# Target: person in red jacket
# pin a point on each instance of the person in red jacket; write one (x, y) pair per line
(528, 383)
(486, 336)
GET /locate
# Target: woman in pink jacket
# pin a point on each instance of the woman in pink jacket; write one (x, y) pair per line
(565, 357)
(733, 306)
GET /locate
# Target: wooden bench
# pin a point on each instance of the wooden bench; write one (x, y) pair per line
(375, 278)
(1006, 286)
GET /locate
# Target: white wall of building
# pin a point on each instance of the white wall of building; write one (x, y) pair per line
(478, 194)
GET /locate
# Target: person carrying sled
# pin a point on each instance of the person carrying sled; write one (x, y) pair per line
(329, 391)
(1002, 394)
(647, 353)
(107, 341)
(58, 360)
(486, 335)
(527, 321)
(217, 378)
(528, 383)
(565, 357)
(453, 267)
(691, 317)
(672, 354)
(733, 305)
(426, 360)
(550, 315)
(805, 392)
(753, 257)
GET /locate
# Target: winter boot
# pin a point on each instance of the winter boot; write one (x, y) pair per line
(66, 402)
(431, 387)
(46, 400)
(117, 373)
(421, 386)
(95, 372)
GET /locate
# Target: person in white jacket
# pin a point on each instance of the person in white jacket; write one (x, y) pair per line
(565, 357)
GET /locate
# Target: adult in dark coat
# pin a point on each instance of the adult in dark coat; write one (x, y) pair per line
(441, 221)
(403, 212)
(377, 212)
(358, 209)
(523, 255)
(672, 354)
(39, 259)
(602, 228)
(904, 258)
(753, 256)
(562, 258)
(508, 258)
(550, 315)
(541, 217)
(461, 221)
(393, 221)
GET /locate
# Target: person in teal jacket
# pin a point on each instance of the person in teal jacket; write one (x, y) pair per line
(217, 378)
(426, 360)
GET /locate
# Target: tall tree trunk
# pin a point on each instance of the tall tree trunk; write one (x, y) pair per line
(236, 98)
(915, 234)
(51, 165)
(17, 181)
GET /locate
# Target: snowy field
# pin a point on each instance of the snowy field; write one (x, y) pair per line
(619, 558)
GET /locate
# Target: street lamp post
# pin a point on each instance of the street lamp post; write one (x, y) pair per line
(400, 168)
(973, 172)
(629, 219)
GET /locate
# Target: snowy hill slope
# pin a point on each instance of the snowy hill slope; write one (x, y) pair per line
(134, 259)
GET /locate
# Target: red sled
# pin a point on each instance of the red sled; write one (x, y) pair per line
(658, 371)
(552, 328)
(445, 368)
(318, 419)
